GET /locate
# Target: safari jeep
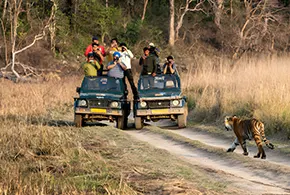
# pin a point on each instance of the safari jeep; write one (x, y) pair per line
(160, 98)
(101, 98)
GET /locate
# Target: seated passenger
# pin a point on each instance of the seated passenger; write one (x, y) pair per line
(116, 67)
(91, 66)
(169, 67)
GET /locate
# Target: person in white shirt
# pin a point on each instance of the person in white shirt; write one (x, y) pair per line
(127, 55)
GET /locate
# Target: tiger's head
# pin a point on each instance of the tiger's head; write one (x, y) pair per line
(229, 122)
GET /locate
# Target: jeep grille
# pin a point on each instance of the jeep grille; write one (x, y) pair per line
(159, 104)
(100, 103)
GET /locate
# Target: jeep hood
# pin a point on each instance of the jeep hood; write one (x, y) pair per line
(159, 93)
(92, 95)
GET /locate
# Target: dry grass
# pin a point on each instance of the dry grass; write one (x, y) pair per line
(252, 88)
(39, 156)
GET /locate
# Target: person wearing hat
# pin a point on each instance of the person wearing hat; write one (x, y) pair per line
(90, 47)
(155, 51)
(169, 67)
(148, 63)
(127, 55)
(91, 66)
(149, 67)
(116, 67)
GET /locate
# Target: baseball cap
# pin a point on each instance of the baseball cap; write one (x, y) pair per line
(151, 44)
(95, 38)
(116, 54)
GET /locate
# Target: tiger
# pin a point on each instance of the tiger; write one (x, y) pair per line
(246, 130)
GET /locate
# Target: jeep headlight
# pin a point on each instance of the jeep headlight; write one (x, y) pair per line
(143, 104)
(175, 102)
(82, 103)
(114, 104)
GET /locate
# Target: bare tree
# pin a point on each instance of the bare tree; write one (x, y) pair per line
(14, 9)
(144, 9)
(255, 29)
(171, 24)
(183, 11)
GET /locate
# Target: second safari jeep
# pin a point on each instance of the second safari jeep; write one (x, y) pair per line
(160, 98)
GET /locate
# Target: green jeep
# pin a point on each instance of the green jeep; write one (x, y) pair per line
(101, 98)
(160, 98)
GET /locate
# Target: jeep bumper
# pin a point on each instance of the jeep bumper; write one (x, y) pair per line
(163, 111)
(98, 111)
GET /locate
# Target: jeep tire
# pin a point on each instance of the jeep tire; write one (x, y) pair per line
(78, 120)
(120, 122)
(182, 119)
(138, 123)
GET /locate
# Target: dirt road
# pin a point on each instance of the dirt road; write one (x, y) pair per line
(247, 176)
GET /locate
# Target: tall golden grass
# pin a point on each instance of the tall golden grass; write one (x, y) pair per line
(253, 87)
(39, 157)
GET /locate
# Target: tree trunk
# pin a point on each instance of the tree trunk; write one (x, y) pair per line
(52, 27)
(218, 12)
(4, 32)
(144, 9)
(171, 24)
(15, 8)
(107, 3)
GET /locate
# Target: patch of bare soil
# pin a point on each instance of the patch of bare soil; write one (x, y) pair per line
(252, 179)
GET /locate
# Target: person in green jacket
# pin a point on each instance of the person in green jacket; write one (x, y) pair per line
(91, 67)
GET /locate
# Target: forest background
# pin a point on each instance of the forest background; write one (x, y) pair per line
(233, 55)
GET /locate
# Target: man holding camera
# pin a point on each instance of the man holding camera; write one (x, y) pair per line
(91, 66)
(127, 55)
(169, 67)
(98, 57)
(116, 67)
(90, 47)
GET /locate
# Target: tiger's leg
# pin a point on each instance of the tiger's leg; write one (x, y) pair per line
(260, 147)
(234, 145)
(244, 146)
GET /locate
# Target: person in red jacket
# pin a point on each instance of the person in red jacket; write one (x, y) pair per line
(90, 47)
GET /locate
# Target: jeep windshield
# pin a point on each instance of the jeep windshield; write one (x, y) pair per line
(164, 82)
(103, 84)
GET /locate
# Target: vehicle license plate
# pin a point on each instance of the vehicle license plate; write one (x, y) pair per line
(98, 110)
(160, 111)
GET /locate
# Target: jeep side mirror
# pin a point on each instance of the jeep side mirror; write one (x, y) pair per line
(78, 89)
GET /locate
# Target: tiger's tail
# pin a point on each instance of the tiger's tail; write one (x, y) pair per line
(262, 132)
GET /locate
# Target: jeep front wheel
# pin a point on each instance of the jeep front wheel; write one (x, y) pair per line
(120, 123)
(138, 123)
(78, 120)
(181, 120)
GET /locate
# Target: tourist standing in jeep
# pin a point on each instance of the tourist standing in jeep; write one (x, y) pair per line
(149, 67)
(126, 56)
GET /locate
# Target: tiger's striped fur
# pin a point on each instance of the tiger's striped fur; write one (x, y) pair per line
(247, 130)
